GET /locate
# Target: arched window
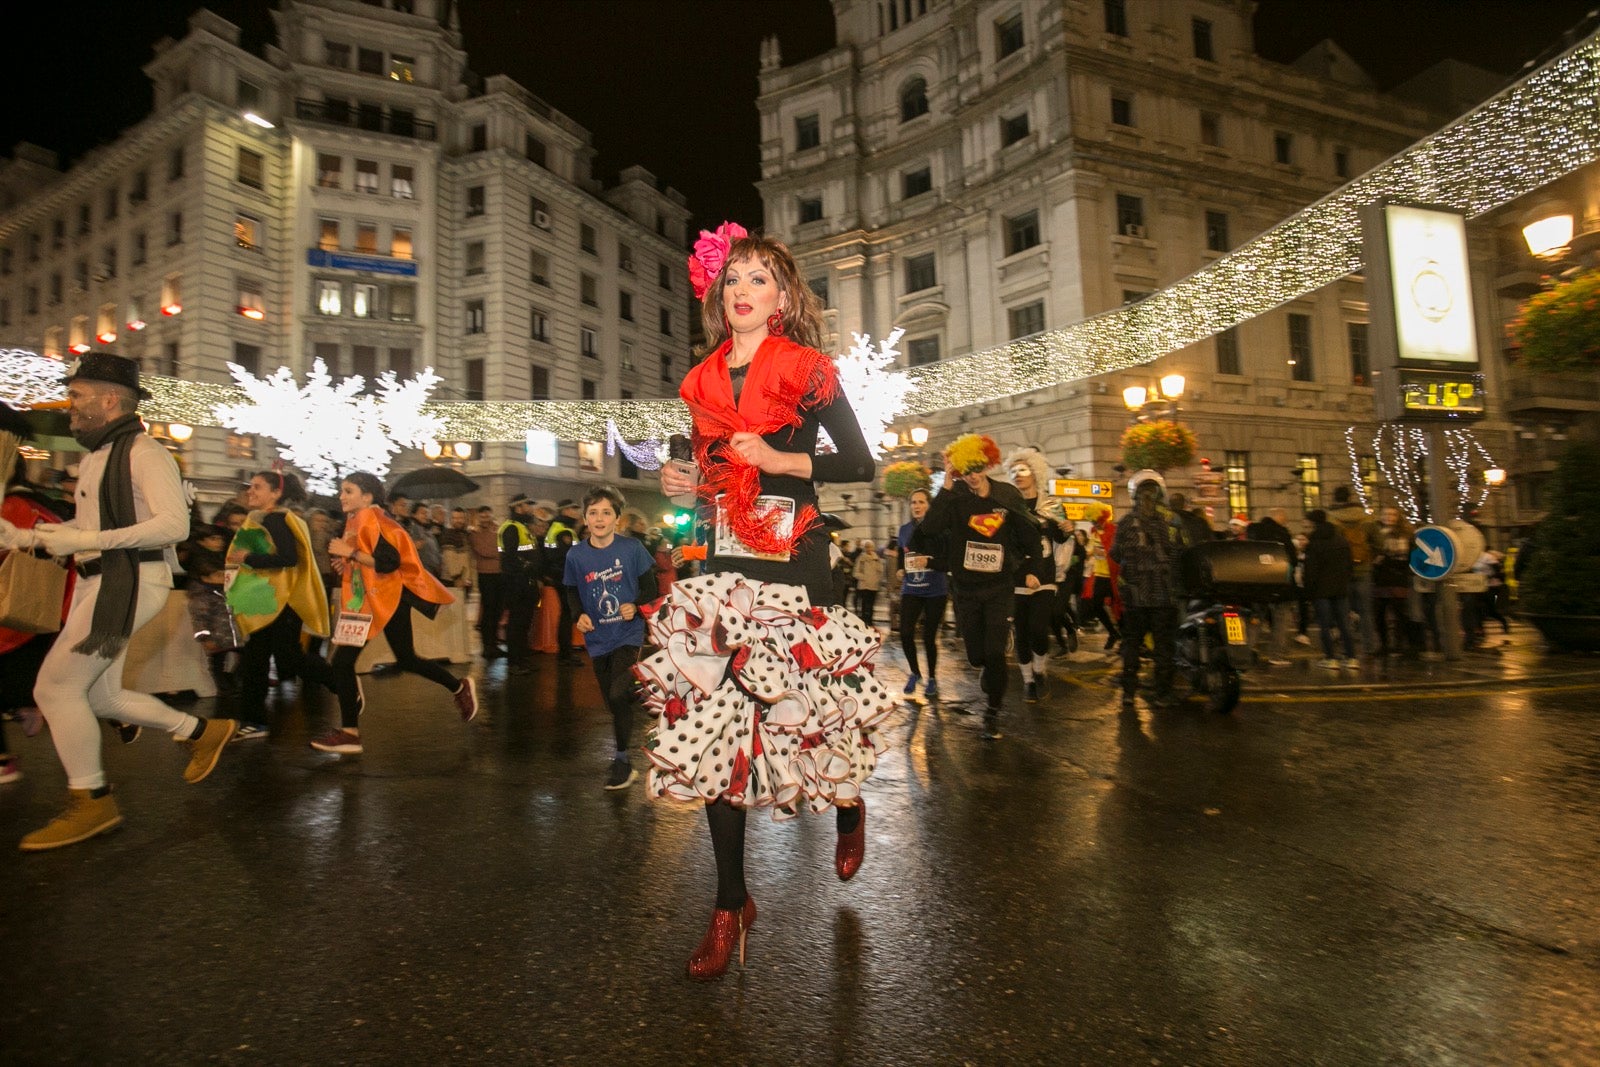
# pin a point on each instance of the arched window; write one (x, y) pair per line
(913, 99)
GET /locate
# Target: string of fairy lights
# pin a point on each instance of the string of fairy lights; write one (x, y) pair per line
(1401, 453)
(1539, 129)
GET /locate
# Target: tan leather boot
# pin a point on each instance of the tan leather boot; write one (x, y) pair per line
(206, 749)
(85, 817)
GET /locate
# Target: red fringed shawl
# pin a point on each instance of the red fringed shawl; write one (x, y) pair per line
(784, 379)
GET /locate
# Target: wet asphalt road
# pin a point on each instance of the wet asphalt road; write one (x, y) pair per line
(1329, 875)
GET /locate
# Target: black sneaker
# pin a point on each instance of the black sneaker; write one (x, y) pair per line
(622, 775)
(127, 731)
(991, 725)
(1030, 692)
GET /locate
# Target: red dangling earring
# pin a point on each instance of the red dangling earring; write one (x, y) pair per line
(775, 324)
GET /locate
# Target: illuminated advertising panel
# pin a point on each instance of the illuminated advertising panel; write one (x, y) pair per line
(1431, 287)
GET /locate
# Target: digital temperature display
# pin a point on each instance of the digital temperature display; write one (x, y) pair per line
(1442, 394)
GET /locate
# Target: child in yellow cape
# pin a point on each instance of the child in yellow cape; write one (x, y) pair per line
(276, 594)
(383, 581)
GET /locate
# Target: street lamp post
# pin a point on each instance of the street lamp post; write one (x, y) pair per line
(1157, 402)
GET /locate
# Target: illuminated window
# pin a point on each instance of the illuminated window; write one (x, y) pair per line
(367, 238)
(363, 300)
(251, 305)
(52, 342)
(247, 232)
(542, 450)
(591, 457)
(105, 330)
(1308, 467)
(1238, 472)
(330, 297)
(400, 68)
(171, 294)
(401, 183)
(400, 242)
(328, 235)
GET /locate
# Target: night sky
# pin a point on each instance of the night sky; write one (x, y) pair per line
(671, 84)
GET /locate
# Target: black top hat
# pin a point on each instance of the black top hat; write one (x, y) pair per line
(105, 367)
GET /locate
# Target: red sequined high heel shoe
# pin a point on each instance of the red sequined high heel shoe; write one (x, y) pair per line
(851, 848)
(728, 927)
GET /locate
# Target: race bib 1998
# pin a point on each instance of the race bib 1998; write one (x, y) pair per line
(983, 557)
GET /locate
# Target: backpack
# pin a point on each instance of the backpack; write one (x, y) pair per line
(1355, 535)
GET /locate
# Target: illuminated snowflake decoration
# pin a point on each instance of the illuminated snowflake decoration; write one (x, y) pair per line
(877, 392)
(27, 378)
(328, 429)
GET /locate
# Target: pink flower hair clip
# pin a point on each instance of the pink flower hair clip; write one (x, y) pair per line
(710, 253)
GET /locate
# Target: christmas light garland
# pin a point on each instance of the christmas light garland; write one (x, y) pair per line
(1401, 453)
(1541, 128)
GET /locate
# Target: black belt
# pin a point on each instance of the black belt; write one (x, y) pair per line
(146, 555)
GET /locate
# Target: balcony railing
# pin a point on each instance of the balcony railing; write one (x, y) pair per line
(364, 117)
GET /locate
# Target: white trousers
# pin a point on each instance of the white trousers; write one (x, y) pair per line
(75, 691)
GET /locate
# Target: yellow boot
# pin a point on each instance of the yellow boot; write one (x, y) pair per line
(85, 817)
(207, 748)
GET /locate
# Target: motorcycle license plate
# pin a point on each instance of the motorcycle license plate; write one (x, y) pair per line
(1233, 625)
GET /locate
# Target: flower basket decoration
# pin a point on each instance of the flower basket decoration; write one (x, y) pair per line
(1559, 329)
(1160, 445)
(906, 477)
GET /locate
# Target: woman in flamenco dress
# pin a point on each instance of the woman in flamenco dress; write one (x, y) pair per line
(763, 689)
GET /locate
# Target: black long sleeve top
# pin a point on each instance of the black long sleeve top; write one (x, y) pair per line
(285, 549)
(850, 462)
(981, 532)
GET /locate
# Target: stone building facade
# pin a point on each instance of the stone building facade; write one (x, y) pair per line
(975, 171)
(353, 194)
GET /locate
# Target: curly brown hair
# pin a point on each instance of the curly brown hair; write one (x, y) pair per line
(802, 318)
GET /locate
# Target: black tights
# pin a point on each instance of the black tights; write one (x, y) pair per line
(278, 640)
(1097, 605)
(985, 623)
(727, 844)
(930, 610)
(398, 633)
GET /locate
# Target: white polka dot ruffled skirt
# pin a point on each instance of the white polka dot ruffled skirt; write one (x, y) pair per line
(760, 699)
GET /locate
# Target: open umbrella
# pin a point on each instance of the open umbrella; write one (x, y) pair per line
(433, 483)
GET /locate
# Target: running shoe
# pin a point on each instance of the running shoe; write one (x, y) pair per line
(931, 690)
(622, 775)
(249, 731)
(467, 699)
(340, 741)
(1030, 692)
(911, 684)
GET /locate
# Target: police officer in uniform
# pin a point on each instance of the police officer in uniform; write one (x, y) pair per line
(521, 566)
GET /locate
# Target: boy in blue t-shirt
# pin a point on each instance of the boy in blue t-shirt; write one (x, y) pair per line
(608, 578)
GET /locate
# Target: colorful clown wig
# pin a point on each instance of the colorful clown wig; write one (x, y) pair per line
(972, 453)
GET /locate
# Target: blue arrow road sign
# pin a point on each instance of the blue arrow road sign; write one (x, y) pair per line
(1433, 553)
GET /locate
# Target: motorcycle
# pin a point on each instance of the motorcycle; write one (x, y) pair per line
(1220, 579)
